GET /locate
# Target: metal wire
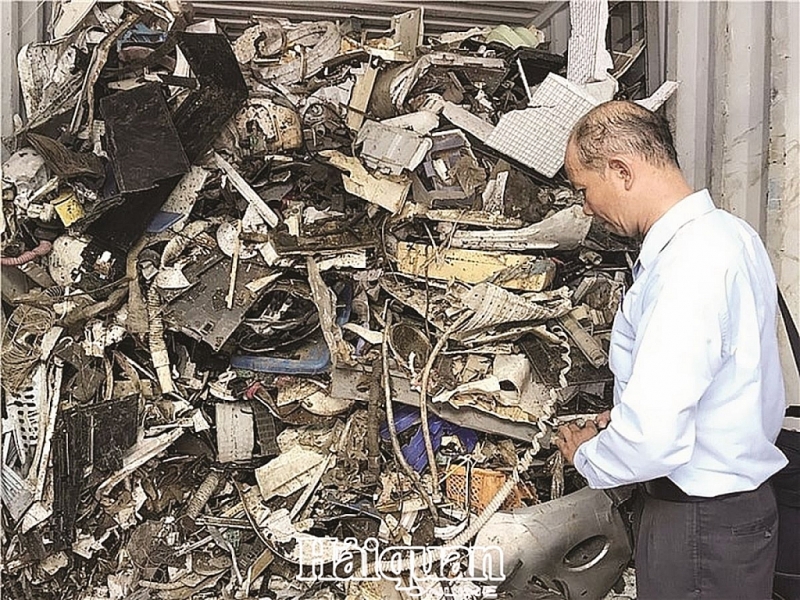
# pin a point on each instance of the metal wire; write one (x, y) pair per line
(22, 344)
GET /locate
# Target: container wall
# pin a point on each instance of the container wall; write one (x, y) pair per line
(736, 120)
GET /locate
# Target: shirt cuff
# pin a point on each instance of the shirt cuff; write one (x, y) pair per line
(581, 462)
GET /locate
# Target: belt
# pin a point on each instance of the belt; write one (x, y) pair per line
(664, 489)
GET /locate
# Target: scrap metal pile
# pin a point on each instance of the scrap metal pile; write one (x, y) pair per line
(306, 287)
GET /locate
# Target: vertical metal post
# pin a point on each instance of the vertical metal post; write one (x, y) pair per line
(688, 46)
(22, 23)
(655, 46)
(742, 49)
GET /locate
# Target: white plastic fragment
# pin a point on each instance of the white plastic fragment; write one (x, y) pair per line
(588, 60)
(247, 191)
(182, 199)
(373, 337)
(660, 96)
(235, 434)
(287, 473)
(388, 193)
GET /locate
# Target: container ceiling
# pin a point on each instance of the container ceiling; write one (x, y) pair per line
(376, 16)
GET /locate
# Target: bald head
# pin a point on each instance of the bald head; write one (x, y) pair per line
(620, 127)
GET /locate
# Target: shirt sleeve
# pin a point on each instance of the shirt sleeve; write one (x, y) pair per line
(678, 348)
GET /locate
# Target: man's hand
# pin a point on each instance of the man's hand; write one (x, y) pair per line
(571, 436)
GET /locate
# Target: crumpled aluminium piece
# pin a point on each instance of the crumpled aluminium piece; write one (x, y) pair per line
(508, 393)
(48, 80)
(320, 42)
(404, 81)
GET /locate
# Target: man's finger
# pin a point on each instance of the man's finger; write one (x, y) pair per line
(564, 447)
(603, 419)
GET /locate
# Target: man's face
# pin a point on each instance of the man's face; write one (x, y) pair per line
(602, 193)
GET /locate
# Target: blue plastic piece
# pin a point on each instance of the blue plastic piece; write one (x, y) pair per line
(414, 451)
(141, 34)
(406, 417)
(163, 221)
(314, 358)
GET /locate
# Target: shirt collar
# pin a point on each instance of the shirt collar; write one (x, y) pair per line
(664, 229)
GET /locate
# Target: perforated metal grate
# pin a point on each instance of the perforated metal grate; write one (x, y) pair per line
(537, 136)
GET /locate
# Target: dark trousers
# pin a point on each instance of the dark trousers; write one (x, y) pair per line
(718, 549)
(787, 493)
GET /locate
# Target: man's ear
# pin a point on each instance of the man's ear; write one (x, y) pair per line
(620, 168)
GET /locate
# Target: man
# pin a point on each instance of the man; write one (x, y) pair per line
(698, 390)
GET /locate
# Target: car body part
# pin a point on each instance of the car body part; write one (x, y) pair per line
(577, 544)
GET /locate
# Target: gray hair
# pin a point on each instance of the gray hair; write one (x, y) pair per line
(622, 127)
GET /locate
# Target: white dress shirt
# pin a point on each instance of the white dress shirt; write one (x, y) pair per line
(698, 392)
